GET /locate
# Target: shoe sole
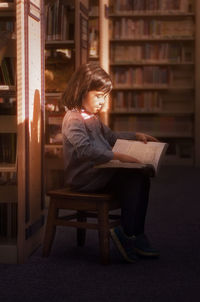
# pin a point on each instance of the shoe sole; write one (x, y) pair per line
(120, 247)
(146, 254)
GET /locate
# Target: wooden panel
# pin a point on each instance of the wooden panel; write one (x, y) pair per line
(104, 49)
(197, 91)
(30, 116)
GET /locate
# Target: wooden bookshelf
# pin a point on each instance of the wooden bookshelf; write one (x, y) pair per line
(145, 38)
(150, 14)
(21, 131)
(93, 24)
(64, 52)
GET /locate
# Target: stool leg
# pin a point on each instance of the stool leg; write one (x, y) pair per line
(104, 237)
(50, 229)
(81, 233)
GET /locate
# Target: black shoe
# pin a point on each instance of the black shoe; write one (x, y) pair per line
(143, 248)
(124, 244)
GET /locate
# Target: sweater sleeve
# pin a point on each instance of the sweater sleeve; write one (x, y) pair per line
(112, 136)
(75, 131)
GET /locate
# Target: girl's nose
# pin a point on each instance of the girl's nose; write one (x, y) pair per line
(101, 101)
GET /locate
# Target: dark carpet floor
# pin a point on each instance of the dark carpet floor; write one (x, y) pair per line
(73, 274)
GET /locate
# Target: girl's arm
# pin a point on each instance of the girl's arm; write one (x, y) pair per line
(112, 136)
(75, 132)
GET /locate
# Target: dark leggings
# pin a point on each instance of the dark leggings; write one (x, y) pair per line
(131, 187)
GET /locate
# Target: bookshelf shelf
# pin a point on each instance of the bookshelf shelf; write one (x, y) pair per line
(7, 7)
(152, 88)
(153, 58)
(53, 94)
(93, 16)
(21, 130)
(151, 63)
(62, 57)
(7, 88)
(8, 167)
(151, 39)
(61, 43)
(169, 113)
(151, 14)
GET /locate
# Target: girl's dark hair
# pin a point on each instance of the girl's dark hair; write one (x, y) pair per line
(86, 78)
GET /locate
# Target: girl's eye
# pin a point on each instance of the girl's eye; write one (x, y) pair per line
(99, 96)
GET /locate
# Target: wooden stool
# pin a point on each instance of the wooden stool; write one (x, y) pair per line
(85, 205)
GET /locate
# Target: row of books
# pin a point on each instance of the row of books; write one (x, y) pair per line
(153, 75)
(7, 105)
(8, 178)
(140, 75)
(8, 220)
(128, 28)
(153, 52)
(8, 143)
(7, 71)
(152, 101)
(166, 126)
(143, 5)
(136, 102)
(59, 16)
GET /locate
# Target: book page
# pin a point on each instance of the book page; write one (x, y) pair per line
(148, 153)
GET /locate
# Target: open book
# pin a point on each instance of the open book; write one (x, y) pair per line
(149, 154)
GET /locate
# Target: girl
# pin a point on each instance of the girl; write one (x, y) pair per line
(87, 142)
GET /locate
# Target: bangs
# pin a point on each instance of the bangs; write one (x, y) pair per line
(102, 84)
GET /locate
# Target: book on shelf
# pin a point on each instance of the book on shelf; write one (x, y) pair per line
(152, 5)
(136, 101)
(138, 76)
(8, 145)
(8, 220)
(152, 53)
(7, 71)
(127, 28)
(5, 35)
(59, 17)
(150, 154)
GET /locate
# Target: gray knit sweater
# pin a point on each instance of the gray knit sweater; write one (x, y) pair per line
(86, 143)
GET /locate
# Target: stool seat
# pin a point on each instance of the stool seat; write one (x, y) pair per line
(85, 205)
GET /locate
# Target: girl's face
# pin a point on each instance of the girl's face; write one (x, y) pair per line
(94, 101)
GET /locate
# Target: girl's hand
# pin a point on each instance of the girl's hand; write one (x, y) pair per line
(125, 158)
(145, 137)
